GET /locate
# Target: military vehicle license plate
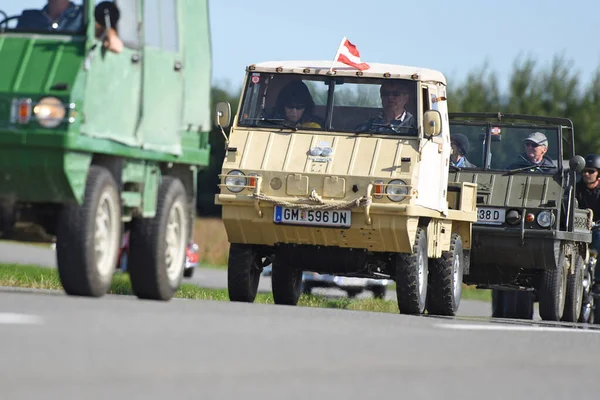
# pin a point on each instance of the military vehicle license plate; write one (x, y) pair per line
(491, 216)
(331, 218)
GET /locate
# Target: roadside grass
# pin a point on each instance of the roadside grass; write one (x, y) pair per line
(26, 276)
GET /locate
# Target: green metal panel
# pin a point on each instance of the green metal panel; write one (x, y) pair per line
(41, 175)
(153, 176)
(163, 86)
(111, 107)
(198, 65)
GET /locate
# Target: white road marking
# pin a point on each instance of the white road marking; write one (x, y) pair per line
(20, 319)
(507, 327)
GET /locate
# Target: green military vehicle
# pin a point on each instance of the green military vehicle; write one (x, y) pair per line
(530, 241)
(97, 139)
(344, 172)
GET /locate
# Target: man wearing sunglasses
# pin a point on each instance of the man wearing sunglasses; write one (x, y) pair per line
(536, 147)
(587, 192)
(394, 117)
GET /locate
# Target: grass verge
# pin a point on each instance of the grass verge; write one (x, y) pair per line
(47, 278)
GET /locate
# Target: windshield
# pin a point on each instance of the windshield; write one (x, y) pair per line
(511, 148)
(42, 16)
(341, 104)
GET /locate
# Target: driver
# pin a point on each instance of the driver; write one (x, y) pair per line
(57, 15)
(536, 147)
(394, 117)
(587, 193)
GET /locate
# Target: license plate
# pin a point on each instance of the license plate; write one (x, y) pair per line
(491, 216)
(331, 218)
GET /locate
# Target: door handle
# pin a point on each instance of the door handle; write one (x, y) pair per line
(178, 66)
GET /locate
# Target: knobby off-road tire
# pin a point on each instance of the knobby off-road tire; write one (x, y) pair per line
(588, 303)
(512, 304)
(574, 298)
(286, 282)
(243, 272)
(88, 237)
(411, 276)
(553, 291)
(445, 280)
(157, 245)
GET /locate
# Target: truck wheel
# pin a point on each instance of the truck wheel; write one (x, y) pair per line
(157, 245)
(286, 282)
(88, 237)
(243, 272)
(411, 276)
(512, 304)
(553, 290)
(445, 280)
(574, 297)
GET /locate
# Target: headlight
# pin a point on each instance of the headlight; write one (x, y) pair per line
(235, 181)
(49, 112)
(545, 219)
(396, 193)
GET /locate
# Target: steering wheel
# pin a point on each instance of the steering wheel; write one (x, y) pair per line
(5, 20)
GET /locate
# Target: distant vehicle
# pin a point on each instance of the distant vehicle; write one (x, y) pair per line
(351, 285)
(530, 241)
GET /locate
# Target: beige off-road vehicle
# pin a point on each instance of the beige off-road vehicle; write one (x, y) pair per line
(315, 178)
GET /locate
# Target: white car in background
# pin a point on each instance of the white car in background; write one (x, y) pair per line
(352, 286)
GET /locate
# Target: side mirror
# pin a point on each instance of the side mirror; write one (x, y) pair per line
(432, 123)
(577, 164)
(107, 13)
(223, 114)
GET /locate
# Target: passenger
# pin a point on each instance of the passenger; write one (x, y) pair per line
(394, 118)
(460, 148)
(66, 16)
(536, 146)
(57, 15)
(295, 105)
(110, 39)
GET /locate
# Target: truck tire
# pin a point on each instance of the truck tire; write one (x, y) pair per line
(286, 282)
(411, 276)
(512, 304)
(445, 280)
(88, 237)
(553, 291)
(157, 245)
(574, 297)
(243, 273)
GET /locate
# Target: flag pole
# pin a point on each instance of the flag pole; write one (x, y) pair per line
(337, 53)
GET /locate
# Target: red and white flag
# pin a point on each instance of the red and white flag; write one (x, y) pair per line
(348, 54)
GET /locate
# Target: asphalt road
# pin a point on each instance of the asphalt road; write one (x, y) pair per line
(57, 347)
(53, 346)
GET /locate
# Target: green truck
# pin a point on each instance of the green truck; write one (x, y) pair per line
(95, 143)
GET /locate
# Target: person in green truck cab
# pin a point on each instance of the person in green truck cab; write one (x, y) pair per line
(57, 15)
(67, 17)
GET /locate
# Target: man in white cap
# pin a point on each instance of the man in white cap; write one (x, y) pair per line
(536, 146)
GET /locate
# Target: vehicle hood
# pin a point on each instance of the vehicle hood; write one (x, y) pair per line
(321, 153)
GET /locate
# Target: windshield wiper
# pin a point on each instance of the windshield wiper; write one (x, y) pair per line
(525, 168)
(274, 121)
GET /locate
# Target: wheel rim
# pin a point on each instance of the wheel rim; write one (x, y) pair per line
(106, 234)
(456, 280)
(423, 274)
(175, 240)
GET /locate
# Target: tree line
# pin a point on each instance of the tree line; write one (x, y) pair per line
(556, 90)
